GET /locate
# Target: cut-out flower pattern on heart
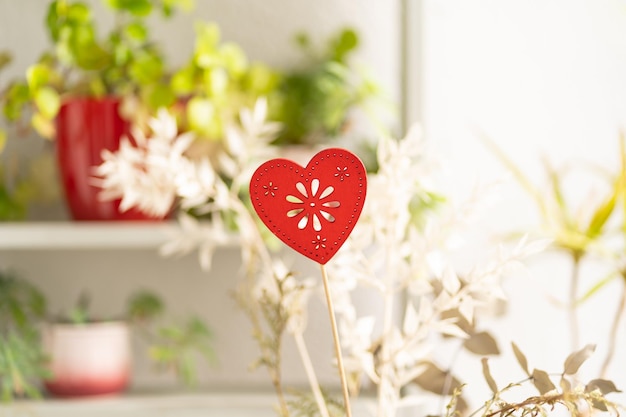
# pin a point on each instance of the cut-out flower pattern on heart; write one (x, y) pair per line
(270, 189)
(308, 205)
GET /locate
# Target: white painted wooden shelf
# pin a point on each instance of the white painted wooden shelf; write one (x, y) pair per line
(217, 404)
(84, 235)
(163, 405)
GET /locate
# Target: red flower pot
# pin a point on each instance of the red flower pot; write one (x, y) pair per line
(86, 126)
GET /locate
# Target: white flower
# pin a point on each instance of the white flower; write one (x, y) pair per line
(356, 337)
(248, 144)
(145, 175)
(206, 236)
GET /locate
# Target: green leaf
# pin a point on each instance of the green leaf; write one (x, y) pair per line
(521, 358)
(207, 40)
(138, 8)
(557, 193)
(3, 140)
(146, 69)
(576, 359)
(488, 378)
(216, 82)
(85, 52)
(182, 82)
(136, 31)
(78, 316)
(48, 102)
(185, 5)
(78, 13)
(517, 173)
(622, 177)
(53, 21)
(43, 126)
(122, 54)
(144, 305)
(202, 116)
(233, 58)
(597, 286)
(260, 79)
(302, 40)
(603, 212)
(37, 76)
(5, 59)
(97, 87)
(160, 96)
(347, 41)
(17, 96)
(542, 381)
(11, 208)
(161, 354)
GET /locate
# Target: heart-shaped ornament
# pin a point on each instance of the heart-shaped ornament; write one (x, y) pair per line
(312, 209)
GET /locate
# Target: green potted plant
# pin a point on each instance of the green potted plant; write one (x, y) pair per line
(90, 356)
(22, 361)
(314, 101)
(216, 83)
(87, 92)
(12, 198)
(75, 90)
(79, 354)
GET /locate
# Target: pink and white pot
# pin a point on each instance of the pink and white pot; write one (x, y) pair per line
(88, 359)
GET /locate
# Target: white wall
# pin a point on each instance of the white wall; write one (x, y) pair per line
(264, 29)
(541, 78)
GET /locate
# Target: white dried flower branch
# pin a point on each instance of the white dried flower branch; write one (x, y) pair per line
(401, 245)
(406, 250)
(211, 189)
(144, 175)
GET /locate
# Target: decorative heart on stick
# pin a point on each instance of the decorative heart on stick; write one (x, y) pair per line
(313, 209)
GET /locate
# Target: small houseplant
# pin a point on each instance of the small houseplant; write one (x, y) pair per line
(314, 101)
(90, 356)
(22, 361)
(70, 354)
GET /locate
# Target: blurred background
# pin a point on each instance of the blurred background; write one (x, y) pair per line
(544, 80)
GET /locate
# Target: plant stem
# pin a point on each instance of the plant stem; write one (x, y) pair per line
(310, 373)
(449, 377)
(614, 329)
(386, 400)
(508, 409)
(333, 324)
(275, 375)
(573, 300)
(247, 300)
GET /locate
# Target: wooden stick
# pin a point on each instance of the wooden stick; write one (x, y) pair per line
(333, 324)
(310, 373)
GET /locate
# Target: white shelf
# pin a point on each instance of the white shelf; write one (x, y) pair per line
(218, 404)
(85, 235)
(165, 405)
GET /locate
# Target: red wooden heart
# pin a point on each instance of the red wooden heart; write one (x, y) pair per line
(312, 209)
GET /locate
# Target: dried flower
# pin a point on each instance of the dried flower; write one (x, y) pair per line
(146, 174)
